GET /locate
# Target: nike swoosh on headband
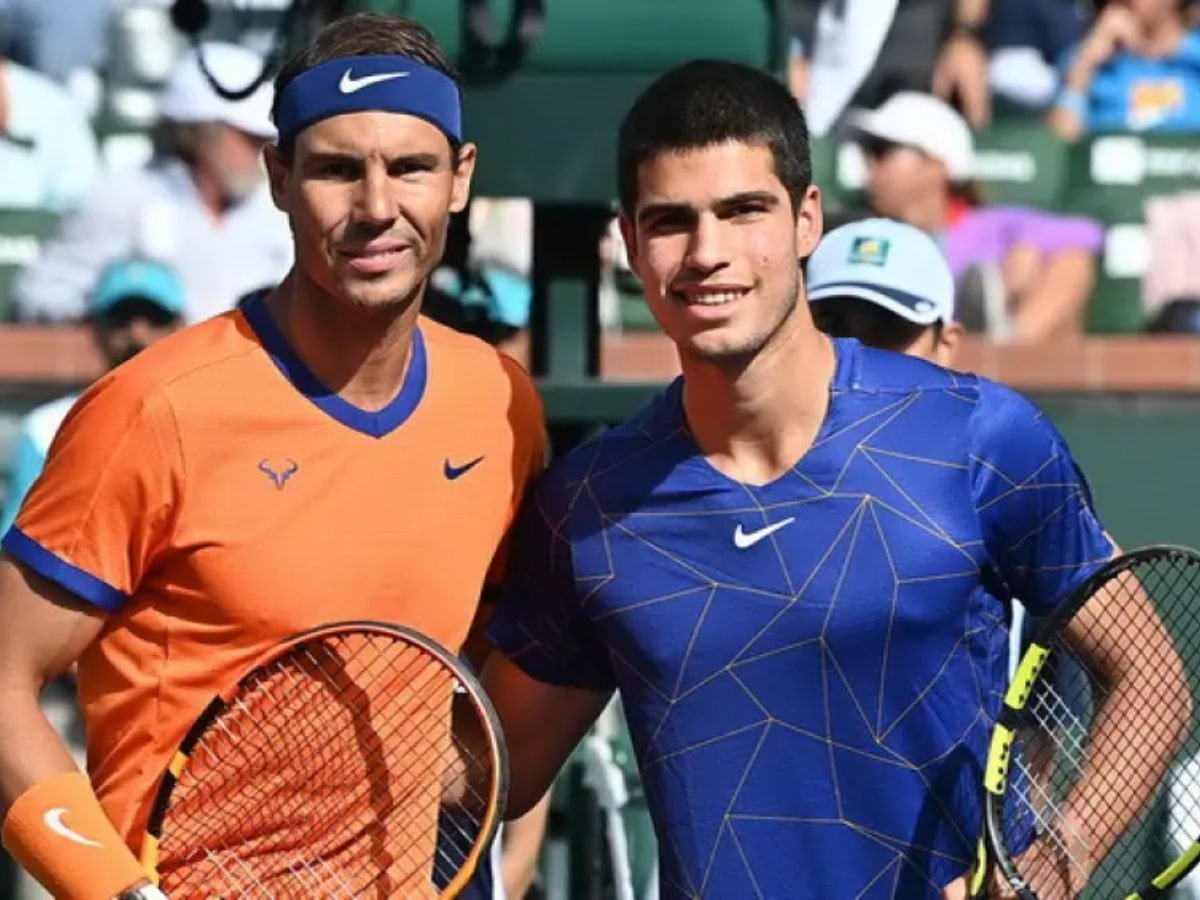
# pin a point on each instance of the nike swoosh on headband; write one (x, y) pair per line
(349, 84)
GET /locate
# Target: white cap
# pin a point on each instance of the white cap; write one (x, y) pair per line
(925, 122)
(888, 263)
(188, 96)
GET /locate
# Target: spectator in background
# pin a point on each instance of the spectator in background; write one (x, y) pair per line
(1138, 69)
(134, 303)
(887, 285)
(920, 161)
(1025, 40)
(855, 53)
(202, 204)
(48, 154)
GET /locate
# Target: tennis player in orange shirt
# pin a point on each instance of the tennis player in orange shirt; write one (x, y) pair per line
(322, 453)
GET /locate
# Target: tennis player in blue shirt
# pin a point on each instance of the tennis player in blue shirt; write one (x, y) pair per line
(796, 563)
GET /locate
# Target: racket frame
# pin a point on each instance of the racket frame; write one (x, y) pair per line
(149, 853)
(992, 851)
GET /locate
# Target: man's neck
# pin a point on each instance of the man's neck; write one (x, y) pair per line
(361, 354)
(754, 422)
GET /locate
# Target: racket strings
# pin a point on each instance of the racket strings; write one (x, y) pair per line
(1060, 834)
(345, 768)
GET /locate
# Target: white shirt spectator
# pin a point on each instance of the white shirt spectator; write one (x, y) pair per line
(47, 150)
(156, 212)
(210, 218)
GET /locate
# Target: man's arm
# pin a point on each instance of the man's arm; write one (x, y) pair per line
(45, 631)
(45, 802)
(1115, 29)
(521, 847)
(961, 69)
(1142, 677)
(542, 724)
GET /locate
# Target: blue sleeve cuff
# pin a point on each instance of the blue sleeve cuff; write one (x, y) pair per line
(83, 585)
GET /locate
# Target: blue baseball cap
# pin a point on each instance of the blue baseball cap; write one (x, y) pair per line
(888, 263)
(142, 279)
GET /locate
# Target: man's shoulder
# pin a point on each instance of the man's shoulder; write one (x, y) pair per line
(869, 370)
(193, 355)
(624, 458)
(478, 373)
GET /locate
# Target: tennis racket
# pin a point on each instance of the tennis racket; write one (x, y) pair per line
(1079, 801)
(358, 759)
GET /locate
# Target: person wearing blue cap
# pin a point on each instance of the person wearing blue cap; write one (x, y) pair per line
(887, 284)
(135, 303)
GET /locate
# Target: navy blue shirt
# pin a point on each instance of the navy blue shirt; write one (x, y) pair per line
(809, 668)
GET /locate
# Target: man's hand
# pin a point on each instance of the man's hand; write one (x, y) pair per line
(955, 890)
(1115, 29)
(962, 71)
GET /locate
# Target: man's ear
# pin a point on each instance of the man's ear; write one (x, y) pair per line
(949, 338)
(279, 168)
(810, 222)
(464, 169)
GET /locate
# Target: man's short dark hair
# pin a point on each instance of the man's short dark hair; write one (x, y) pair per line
(709, 102)
(365, 34)
(870, 323)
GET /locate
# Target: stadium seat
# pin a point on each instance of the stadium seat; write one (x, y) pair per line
(1015, 163)
(595, 36)
(1110, 177)
(22, 232)
(1021, 163)
(578, 78)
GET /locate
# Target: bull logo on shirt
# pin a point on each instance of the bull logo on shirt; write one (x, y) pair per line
(279, 477)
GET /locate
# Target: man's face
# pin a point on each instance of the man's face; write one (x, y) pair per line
(130, 326)
(716, 243)
(899, 178)
(233, 157)
(369, 196)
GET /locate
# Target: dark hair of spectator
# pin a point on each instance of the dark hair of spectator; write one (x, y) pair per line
(708, 102)
(365, 34)
(853, 317)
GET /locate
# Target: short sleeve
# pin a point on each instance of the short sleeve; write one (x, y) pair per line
(1033, 503)
(103, 509)
(539, 623)
(529, 455)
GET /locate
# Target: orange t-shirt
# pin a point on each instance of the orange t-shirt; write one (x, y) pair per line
(214, 498)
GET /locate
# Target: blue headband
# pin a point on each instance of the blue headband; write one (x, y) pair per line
(349, 84)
